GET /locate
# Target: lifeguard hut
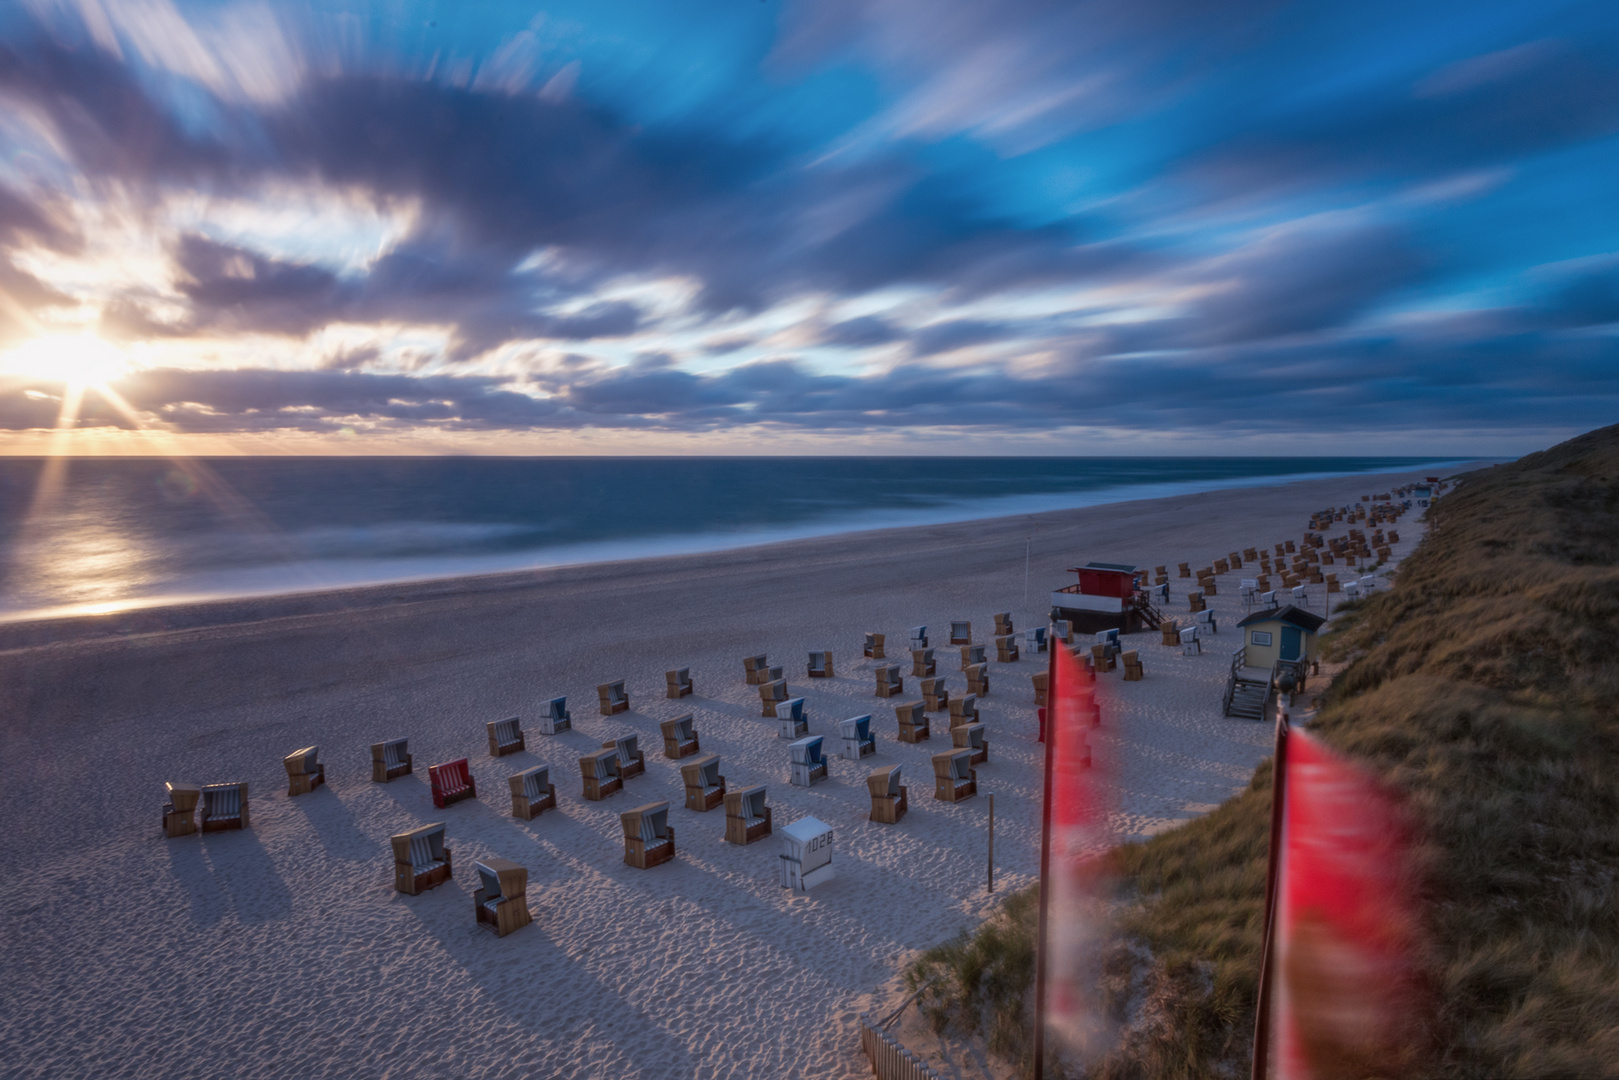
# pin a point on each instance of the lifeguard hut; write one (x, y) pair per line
(1423, 494)
(1271, 642)
(1104, 598)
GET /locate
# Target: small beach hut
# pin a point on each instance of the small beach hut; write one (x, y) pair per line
(612, 697)
(505, 737)
(677, 683)
(953, 776)
(501, 902)
(555, 717)
(806, 764)
(889, 798)
(705, 787)
(747, 818)
(978, 679)
(1006, 649)
(913, 722)
(770, 694)
(649, 839)
(889, 682)
(820, 665)
(532, 792)
(972, 654)
(961, 632)
(973, 738)
(919, 637)
(922, 662)
(1287, 635)
(421, 860)
(180, 812)
(1105, 594)
(390, 760)
(304, 772)
(806, 855)
(964, 710)
(679, 737)
(935, 695)
(631, 758)
(754, 668)
(223, 806)
(855, 734)
(452, 782)
(874, 645)
(790, 719)
(600, 774)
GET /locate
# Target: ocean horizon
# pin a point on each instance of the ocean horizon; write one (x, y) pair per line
(90, 535)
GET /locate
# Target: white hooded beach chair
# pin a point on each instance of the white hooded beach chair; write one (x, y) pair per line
(964, 710)
(820, 665)
(874, 645)
(791, 723)
(806, 857)
(1268, 599)
(421, 860)
(974, 738)
(922, 662)
(631, 758)
(600, 774)
(532, 792)
(390, 760)
(501, 901)
(555, 717)
(919, 637)
(807, 765)
(889, 798)
(1352, 589)
(649, 839)
(1204, 621)
(1301, 596)
(1034, 639)
(1368, 584)
(747, 818)
(677, 683)
(304, 772)
(772, 694)
(858, 741)
(935, 695)
(612, 697)
(1063, 631)
(1160, 593)
(705, 787)
(505, 737)
(223, 806)
(1191, 644)
(679, 737)
(953, 776)
(889, 682)
(961, 633)
(913, 722)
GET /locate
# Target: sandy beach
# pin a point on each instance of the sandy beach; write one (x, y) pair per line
(284, 949)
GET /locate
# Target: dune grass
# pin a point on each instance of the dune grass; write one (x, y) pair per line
(1483, 687)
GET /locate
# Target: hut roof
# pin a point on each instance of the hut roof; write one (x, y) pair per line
(1307, 621)
(1111, 567)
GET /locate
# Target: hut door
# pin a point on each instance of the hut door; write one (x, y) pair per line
(1290, 642)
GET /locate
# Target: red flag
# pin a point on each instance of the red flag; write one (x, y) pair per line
(1348, 996)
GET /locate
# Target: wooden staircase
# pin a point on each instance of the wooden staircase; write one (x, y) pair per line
(1244, 696)
(1151, 618)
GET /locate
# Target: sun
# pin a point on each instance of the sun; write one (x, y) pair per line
(74, 360)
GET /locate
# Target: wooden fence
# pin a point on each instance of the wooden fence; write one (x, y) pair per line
(890, 1060)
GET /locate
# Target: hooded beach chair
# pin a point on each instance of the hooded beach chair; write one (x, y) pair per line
(961, 633)
(913, 721)
(1368, 584)
(953, 776)
(1221, 566)
(1332, 583)
(922, 662)
(889, 682)
(679, 737)
(1041, 680)
(973, 738)
(223, 806)
(935, 695)
(1301, 596)
(600, 774)
(555, 717)
(501, 903)
(858, 741)
(705, 787)
(874, 646)
(532, 792)
(754, 669)
(1006, 649)
(889, 798)
(1191, 642)
(747, 818)
(978, 679)
(1133, 670)
(964, 710)
(1003, 624)
(631, 758)
(1063, 631)
(390, 760)
(771, 694)
(1186, 569)
(1034, 639)
(1171, 631)
(1205, 622)
(677, 683)
(806, 763)
(1268, 599)
(1195, 602)
(612, 697)
(820, 665)
(1160, 592)
(649, 839)
(791, 723)
(421, 860)
(180, 812)
(304, 773)
(452, 782)
(919, 637)
(973, 654)
(505, 737)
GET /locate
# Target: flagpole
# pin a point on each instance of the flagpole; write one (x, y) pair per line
(1052, 645)
(1277, 805)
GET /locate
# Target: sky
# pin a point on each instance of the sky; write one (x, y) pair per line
(808, 226)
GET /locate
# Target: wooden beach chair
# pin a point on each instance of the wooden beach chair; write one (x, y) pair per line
(889, 683)
(612, 697)
(1195, 602)
(1332, 583)
(1251, 554)
(919, 637)
(1234, 560)
(505, 737)
(1102, 659)
(807, 765)
(532, 792)
(913, 721)
(754, 669)
(649, 839)
(304, 772)
(978, 680)
(452, 782)
(679, 737)
(1221, 566)
(555, 717)
(961, 633)
(1041, 680)
(935, 695)
(390, 760)
(677, 683)
(1003, 624)
(1132, 666)
(223, 806)
(1006, 649)
(820, 665)
(889, 798)
(600, 774)
(705, 787)
(857, 739)
(973, 654)
(501, 903)
(1171, 632)
(953, 776)
(964, 710)
(771, 694)
(421, 861)
(631, 758)
(973, 738)
(922, 662)
(1185, 570)
(180, 812)
(747, 818)
(791, 723)
(874, 645)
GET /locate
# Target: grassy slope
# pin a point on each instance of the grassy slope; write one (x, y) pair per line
(1484, 687)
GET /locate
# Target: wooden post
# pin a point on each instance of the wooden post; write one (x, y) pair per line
(1278, 789)
(992, 841)
(1045, 868)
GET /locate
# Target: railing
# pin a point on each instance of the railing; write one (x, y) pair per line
(1238, 662)
(890, 1060)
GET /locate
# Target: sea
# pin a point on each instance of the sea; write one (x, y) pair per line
(91, 535)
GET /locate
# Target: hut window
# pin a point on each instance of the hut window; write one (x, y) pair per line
(1261, 637)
